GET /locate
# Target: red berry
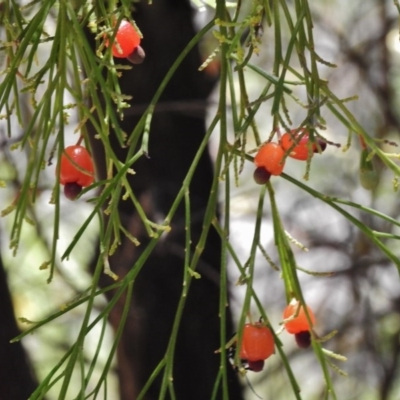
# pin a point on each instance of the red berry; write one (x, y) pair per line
(300, 322)
(257, 343)
(127, 38)
(300, 145)
(270, 156)
(76, 167)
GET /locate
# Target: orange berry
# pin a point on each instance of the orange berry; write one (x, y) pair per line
(257, 344)
(270, 156)
(299, 146)
(127, 38)
(300, 150)
(300, 322)
(76, 170)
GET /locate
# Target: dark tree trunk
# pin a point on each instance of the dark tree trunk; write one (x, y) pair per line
(176, 132)
(16, 378)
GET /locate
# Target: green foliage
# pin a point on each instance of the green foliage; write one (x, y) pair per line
(68, 82)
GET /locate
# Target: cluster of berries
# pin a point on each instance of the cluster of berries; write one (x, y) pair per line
(258, 341)
(270, 159)
(76, 164)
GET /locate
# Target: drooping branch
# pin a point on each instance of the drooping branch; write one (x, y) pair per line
(175, 136)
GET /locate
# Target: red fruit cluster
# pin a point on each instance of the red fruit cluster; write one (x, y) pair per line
(257, 345)
(270, 159)
(258, 341)
(127, 43)
(76, 170)
(297, 323)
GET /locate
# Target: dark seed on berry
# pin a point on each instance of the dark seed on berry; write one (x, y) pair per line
(256, 366)
(138, 55)
(320, 147)
(303, 339)
(72, 190)
(261, 176)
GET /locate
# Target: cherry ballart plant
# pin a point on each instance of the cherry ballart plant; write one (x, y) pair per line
(76, 170)
(241, 228)
(298, 144)
(127, 43)
(257, 345)
(298, 323)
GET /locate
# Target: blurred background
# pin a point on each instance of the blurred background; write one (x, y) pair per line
(360, 294)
